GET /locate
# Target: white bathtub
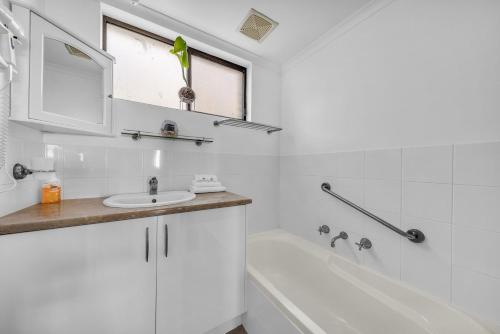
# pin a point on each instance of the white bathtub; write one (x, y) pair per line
(319, 292)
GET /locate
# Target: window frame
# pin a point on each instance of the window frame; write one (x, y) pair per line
(191, 51)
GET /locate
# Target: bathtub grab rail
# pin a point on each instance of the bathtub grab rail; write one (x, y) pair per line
(413, 235)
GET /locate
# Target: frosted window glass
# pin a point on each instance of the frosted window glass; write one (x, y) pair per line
(219, 89)
(145, 71)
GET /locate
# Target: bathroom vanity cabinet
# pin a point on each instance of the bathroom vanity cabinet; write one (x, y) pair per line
(86, 279)
(180, 273)
(201, 269)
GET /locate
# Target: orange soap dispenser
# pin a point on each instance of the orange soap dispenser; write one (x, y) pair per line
(51, 190)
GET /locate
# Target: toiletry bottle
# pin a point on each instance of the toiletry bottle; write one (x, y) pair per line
(51, 190)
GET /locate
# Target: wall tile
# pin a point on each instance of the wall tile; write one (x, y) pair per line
(186, 163)
(56, 152)
(124, 162)
(84, 188)
(156, 163)
(385, 254)
(81, 161)
(125, 185)
(476, 250)
(428, 200)
(477, 164)
(383, 195)
(352, 189)
(264, 196)
(234, 164)
(476, 293)
(428, 265)
(327, 164)
(477, 206)
(383, 164)
(208, 163)
(25, 194)
(428, 164)
(179, 182)
(15, 153)
(350, 164)
(33, 150)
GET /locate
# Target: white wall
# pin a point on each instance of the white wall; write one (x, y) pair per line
(23, 145)
(385, 108)
(247, 161)
(414, 73)
(83, 17)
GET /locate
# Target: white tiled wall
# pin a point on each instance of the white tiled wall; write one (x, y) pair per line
(93, 171)
(246, 161)
(451, 193)
(23, 144)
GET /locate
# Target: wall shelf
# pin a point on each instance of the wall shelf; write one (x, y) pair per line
(248, 125)
(136, 135)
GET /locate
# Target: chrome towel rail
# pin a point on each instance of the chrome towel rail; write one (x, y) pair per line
(136, 135)
(248, 125)
(413, 235)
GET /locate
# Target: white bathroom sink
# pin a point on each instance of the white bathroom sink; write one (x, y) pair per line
(144, 200)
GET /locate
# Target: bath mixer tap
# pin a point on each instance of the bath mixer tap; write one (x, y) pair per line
(342, 235)
(323, 229)
(364, 243)
(153, 186)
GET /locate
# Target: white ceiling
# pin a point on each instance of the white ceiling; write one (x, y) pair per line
(300, 21)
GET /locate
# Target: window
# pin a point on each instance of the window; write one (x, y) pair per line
(146, 72)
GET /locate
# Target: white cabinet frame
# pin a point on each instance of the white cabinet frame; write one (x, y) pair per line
(27, 86)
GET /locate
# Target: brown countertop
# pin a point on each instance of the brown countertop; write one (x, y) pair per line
(76, 212)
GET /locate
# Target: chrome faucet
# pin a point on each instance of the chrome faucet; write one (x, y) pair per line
(323, 229)
(342, 235)
(364, 243)
(153, 186)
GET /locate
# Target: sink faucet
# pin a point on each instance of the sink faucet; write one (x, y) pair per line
(153, 186)
(342, 235)
(364, 243)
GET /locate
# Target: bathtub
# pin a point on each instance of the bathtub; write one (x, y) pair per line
(318, 292)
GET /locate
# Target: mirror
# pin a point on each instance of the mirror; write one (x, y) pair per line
(72, 83)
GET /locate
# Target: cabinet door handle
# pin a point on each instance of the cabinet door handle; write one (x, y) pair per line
(147, 244)
(166, 240)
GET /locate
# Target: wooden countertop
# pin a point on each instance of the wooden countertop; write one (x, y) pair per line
(76, 212)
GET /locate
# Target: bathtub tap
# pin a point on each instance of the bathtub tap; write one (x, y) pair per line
(364, 243)
(342, 235)
(323, 229)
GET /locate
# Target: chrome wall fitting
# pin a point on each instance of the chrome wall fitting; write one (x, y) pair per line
(20, 171)
(323, 229)
(364, 243)
(342, 235)
(248, 125)
(137, 134)
(413, 235)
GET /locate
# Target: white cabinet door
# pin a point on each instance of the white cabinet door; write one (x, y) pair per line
(80, 280)
(201, 270)
(70, 82)
(64, 84)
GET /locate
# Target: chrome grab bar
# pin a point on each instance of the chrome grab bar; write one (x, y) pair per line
(413, 235)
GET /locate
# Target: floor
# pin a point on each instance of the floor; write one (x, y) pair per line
(238, 330)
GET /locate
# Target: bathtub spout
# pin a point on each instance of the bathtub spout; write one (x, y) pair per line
(342, 235)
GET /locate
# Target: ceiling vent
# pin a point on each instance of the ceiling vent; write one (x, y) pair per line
(257, 26)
